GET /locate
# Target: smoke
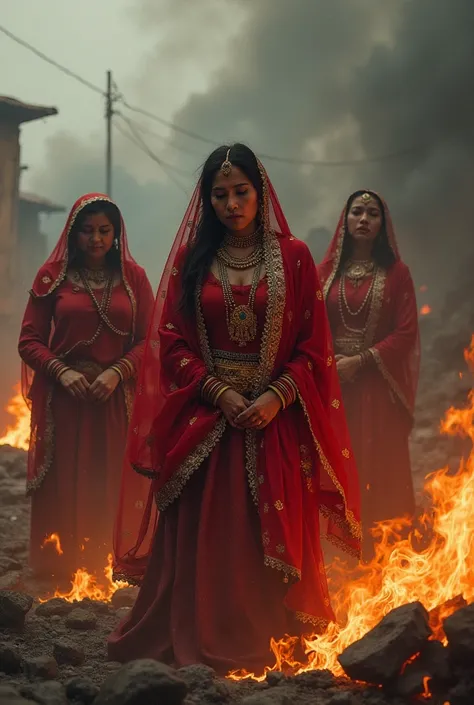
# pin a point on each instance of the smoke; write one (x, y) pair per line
(340, 80)
(329, 80)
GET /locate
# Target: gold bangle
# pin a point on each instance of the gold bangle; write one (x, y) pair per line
(279, 395)
(61, 371)
(117, 369)
(221, 391)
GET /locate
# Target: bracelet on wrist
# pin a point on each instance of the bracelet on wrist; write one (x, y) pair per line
(212, 389)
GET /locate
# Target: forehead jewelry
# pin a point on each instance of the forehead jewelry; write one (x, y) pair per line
(366, 197)
(226, 165)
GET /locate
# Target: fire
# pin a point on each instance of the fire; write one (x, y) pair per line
(430, 562)
(425, 310)
(85, 585)
(18, 434)
(56, 542)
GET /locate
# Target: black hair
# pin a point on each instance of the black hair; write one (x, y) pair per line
(111, 212)
(381, 251)
(210, 231)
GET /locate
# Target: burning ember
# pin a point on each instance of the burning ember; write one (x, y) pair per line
(17, 435)
(430, 562)
(85, 585)
(425, 310)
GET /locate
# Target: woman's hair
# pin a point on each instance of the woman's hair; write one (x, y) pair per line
(210, 231)
(381, 250)
(111, 212)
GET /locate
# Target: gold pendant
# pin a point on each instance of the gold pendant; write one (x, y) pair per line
(242, 325)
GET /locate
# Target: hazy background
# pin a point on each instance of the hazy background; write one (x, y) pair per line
(311, 80)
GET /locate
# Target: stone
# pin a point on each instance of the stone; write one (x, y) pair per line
(48, 693)
(14, 606)
(67, 653)
(275, 678)
(41, 668)
(11, 580)
(57, 607)
(10, 696)
(81, 619)
(197, 676)
(124, 597)
(142, 682)
(459, 628)
(379, 656)
(10, 659)
(96, 606)
(7, 563)
(81, 690)
(122, 612)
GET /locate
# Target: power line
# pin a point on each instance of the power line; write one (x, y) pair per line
(138, 141)
(54, 63)
(194, 135)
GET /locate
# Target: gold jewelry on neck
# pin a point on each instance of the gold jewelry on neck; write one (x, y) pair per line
(243, 242)
(357, 271)
(93, 276)
(241, 263)
(226, 166)
(241, 320)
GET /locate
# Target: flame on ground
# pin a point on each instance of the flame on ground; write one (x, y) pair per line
(425, 310)
(85, 585)
(17, 435)
(430, 561)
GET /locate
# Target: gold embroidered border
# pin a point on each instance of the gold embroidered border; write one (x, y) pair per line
(312, 619)
(390, 380)
(275, 563)
(337, 258)
(48, 439)
(339, 543)
(373, 316)
(273, 326)
(251, 462)
(175, 485)
(354, 525)
(202, 332)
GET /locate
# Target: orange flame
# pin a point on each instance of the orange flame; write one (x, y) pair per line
(430, 562)
(55, 541)
(85, 585)
(425, 310)
(18, 434)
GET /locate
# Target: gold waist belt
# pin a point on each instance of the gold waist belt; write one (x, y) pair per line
(239, 370)
(349, 346)
(90, 369)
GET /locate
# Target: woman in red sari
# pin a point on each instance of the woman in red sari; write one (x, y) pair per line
(239, 425)
(373, 315)
(81, 343)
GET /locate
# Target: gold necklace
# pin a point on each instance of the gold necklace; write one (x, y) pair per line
(356, 272)
(94, 276)
(241, 320)
(344, 304)
(241, 263)
(243, 242)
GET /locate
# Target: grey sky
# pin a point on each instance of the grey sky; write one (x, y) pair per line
(312, 79)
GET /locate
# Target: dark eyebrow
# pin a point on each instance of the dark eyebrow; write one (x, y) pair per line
(223, 188)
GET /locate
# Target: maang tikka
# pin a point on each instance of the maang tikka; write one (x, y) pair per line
(226, 166)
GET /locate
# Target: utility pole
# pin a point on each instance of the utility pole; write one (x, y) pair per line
(108, 120)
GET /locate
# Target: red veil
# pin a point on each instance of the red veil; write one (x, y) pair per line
(37, 388)
(397, 354)
(172, 432)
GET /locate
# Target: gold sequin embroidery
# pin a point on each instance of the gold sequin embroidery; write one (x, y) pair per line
(319, 295)
(184, 361)
(335, 403)
(307, 315)
(170, 326)
(280, 548)
(346, 453)
(193, 420)
(278, 505)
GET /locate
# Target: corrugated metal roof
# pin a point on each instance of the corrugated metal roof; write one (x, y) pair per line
(44, 205)
(15, 110)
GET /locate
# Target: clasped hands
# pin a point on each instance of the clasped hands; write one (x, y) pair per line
(99, 390)
(242, 413)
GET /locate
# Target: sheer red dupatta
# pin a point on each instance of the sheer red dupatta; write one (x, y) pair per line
(393, 336)
(172, 432)
(37, 387)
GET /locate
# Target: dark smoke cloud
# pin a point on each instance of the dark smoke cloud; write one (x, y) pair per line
(337, 79)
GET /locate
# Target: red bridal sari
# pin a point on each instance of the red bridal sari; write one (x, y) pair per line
(379, 402)
(76, 448)
(235, 557)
